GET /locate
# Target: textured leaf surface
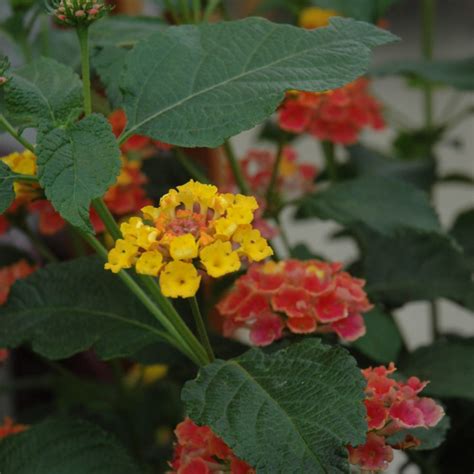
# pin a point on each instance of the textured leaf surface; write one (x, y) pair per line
(44, 91)
(414, 266)
(382, 341)
(458, 73)
(59, 446)
(291, 411)
(447, 364)
(430, 439)
(384, 205)
(7, 194)
(198, 85)
(76, 165)
(69, 307)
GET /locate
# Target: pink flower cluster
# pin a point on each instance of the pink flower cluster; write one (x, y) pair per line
(391, 407)
(338, 115)
(199, 451)
(301, 297)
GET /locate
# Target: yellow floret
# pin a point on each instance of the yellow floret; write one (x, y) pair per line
(219, 259)
(224, 228)
(179, 279)
(255, 246)
(121, 256)
(315, 17)
(149, 263)
(183, 247)
(21, 163)
(151, 213)
(145, 374)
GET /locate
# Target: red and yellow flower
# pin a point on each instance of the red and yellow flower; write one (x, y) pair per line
(315, 17)
(295, 296)
(194, 227)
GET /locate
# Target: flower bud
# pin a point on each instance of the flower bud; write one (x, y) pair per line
(77, 12)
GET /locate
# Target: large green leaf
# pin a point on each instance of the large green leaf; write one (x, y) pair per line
(414, 266)
(60, 446)
(44, 91)
(76, 165)
(447, 364)
(290, 411)
(198, 85)
(457, 73)
(382, 341)
(69, 307)
(7, 194)
(366, 161)
(384, 205)
(463, 232)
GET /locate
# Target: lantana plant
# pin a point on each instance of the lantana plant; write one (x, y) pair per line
(155, 308)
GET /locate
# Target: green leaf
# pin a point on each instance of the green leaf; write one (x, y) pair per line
(44, 91)
(76, 165)
(7, 193)
(291, 411)
(123, 31)
(66, 308)
(382, 341)
(109, 63)
(447, 364)
(198, 85)
(61, 445)
(457, 73)
(384, 205)
(413, 266)
(430, 438)
(366, 161)
(463, 232)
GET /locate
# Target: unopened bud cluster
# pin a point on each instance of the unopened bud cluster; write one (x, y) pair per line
(78, 12)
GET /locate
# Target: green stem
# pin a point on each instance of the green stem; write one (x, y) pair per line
(435, 320)
(283, 235)
(197, 7)
(4, 123)
(201, 327)
(83, 36)
(189, 165)
(184, 7)
(175, 319)
(275, 172)
(329, 151)
(236, 170)
(172, 336)
(210, 8)
(428, 18)
(107, 218)
(172, 10)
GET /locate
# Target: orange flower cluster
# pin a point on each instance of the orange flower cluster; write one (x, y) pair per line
(302, 297)
(12, 273)
(338, 115)
(392, 406)
(199, 451)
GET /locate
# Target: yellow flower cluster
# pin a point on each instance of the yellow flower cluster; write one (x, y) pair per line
(314, 17)
(195, 227)
(22, 163)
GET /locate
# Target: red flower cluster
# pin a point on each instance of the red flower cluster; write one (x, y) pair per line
(391, 407)
(136, 143)
(199, 451)
(12, 273)
(303, 297)
(9, 428)
(125, 197)
(338, 115)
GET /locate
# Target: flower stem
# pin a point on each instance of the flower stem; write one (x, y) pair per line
(201, 327)
(189, 165)
(328, 149)
(211, 6)
(107, 218)
(4, 123)
(275, 172)
(83, 37)
(172, 336)
(197, 7)
(283, 235)
(236, 170)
